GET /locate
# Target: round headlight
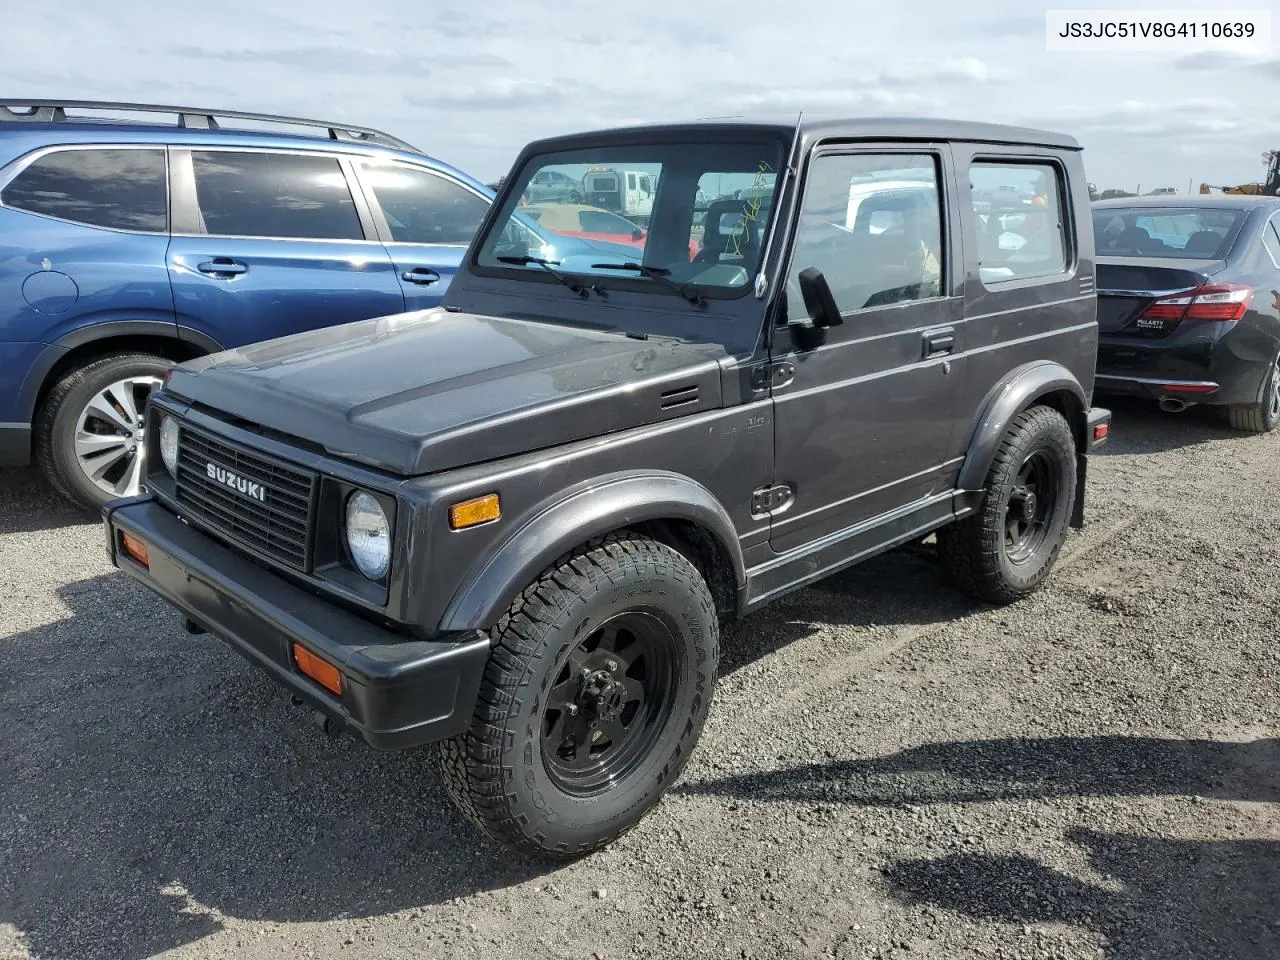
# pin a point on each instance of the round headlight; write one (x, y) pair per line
(368, 535)
(169, 445)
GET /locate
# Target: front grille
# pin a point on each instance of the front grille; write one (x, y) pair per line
(269, 507)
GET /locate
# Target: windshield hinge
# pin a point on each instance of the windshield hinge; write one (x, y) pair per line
(767, 501)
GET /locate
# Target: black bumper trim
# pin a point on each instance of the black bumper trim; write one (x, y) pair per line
(15, 444)
(397, 692)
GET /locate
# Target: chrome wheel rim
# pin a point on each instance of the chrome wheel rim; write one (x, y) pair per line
(109, 436)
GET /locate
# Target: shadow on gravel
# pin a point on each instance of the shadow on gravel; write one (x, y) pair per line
(28, 504)
(1176, 898)
(1013, 769)
(154, 783)
(1140, 426)
(900, 588)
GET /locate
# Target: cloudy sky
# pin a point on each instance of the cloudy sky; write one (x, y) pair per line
(472, 81)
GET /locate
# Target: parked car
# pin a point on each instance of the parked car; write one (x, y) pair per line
(1186, 307)
(130, 245)
(511, 525)
(554, 187)
(589, 223)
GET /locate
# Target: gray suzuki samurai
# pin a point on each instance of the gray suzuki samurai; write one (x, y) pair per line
(512, 525)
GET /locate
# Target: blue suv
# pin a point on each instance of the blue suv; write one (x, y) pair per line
(127, 245)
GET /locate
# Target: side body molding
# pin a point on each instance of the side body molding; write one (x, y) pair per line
(591, 511)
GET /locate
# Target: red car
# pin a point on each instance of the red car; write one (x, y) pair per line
(590, 223)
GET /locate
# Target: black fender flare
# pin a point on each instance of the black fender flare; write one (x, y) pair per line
(34, 382)
(592, 511)
(1014, 394)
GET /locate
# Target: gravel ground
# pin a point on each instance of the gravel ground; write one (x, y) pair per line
(888, 771)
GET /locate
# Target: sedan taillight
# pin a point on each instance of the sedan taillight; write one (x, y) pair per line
(1209, 301)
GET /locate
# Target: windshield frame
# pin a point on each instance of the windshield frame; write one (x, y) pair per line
(1125, 211)
(571, 151)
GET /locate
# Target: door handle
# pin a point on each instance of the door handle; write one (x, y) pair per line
(939, 342)
(223, 267)
(420, 275)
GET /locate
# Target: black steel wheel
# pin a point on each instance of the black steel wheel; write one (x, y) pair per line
(592, 702)
(1029, 515)
(603, 712)
(1007, 547)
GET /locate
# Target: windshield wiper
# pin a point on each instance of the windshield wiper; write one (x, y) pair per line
(546, 265)
(656, 273)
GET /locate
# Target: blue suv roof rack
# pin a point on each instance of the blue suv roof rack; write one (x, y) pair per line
(55, 111)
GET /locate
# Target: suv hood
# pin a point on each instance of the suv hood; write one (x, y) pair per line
(431, 390)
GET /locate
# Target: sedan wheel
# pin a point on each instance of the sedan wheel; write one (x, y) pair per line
(1263, 416)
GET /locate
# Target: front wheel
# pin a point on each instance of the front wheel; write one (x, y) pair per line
(594, 697)
(1263, 416)
(89, 432)
(1006, 549)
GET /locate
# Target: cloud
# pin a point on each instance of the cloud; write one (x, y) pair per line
(828, 99)
(494, 94)
(961, 70)
(476, 81)
(333, 59)
(1219, 60)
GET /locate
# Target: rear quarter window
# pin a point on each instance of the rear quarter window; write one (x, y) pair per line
(1020, 221)
(119, 189)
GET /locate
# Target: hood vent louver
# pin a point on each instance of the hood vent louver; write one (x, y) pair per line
(680, 396)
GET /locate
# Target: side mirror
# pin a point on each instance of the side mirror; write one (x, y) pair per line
(637, 234)
(818, 302)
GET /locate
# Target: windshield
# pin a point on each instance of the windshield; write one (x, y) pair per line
(1165, 232)
(691, 215)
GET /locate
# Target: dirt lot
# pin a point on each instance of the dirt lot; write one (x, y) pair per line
(889, 770)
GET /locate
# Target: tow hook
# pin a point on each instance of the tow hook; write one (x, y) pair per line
(328, 726)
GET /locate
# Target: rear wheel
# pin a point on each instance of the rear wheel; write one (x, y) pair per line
(89, 431)
(1263, 416)
(594, 697)
(1006, 549)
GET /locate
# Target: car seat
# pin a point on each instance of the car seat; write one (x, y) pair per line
(1202, 243)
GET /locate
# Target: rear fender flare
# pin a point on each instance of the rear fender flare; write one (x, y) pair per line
(1022, 388)
(592, 511)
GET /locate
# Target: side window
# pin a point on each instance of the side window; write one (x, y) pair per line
(872, 224)
(1271, 240)
(243, 194)
(120, 189)
(422, 207)
(1018, 211)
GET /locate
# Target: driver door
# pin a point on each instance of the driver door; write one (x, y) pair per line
(865, 418)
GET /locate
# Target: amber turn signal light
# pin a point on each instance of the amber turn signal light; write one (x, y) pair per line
(321, 671)
(469, 513)
(134, 548)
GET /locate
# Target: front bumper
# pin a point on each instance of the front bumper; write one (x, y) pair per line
(396, 692)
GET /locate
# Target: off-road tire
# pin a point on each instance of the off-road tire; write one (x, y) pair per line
(495, 773)
(973, 550)
(55, 422)
(1264, 415)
